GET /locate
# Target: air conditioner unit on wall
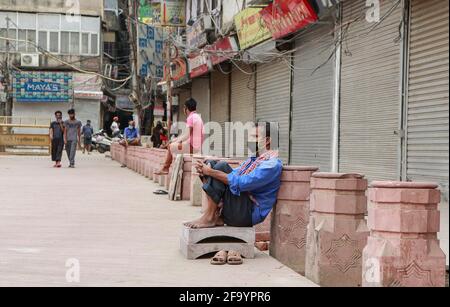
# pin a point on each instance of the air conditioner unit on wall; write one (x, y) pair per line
(29, 60)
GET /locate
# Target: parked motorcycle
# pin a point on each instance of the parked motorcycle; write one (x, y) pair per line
(101, 142)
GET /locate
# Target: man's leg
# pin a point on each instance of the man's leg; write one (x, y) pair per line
(215, 191)
(68, 149)
(169, 158)
(73, 152)
(54, 150)
(59, 151)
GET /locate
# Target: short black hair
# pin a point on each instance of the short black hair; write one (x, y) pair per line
(58, 112)
(191, 104)
(71, 111)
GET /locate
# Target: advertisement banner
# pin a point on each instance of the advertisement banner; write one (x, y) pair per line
(41, 86)
(196, 36)
(173, 13)
(251, 28)
(199, 65)
(283, 17)
(150, 51)
(150, 12)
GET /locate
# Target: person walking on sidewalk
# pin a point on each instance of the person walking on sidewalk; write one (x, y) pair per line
(191, 141)
(87, 133)
(57, 138)
(72, 136)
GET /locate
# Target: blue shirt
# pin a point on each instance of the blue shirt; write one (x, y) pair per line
(131, 134)
(262, 184)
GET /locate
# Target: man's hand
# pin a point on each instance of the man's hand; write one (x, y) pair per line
(203, 169)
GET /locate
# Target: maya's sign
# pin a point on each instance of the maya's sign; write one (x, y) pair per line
(283, 17)
(43, 87)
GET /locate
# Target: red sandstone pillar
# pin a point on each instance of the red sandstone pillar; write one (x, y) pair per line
(337, 230)
(290, 218)
(403, 248)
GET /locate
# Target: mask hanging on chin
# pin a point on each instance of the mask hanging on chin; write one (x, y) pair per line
(253, 148)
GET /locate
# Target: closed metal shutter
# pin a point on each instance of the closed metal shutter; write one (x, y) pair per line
(220, 106)
(313, 95)
(243, 98)
(370, 91)
(243, 94)
(428, 92)
(273, 99)
(200, 92)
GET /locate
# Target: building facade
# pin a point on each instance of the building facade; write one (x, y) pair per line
(53, 54)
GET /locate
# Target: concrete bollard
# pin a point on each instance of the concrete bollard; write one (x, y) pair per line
(290, 217)
(403, 248)
(337, 230)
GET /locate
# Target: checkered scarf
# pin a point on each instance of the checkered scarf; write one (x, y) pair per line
(250, 166)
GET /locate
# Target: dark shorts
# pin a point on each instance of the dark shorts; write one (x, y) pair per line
(237, 210)
(87, 141)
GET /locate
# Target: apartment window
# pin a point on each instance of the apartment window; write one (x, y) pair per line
(94, 43)
(43, 40)
(74, 43)
(65, 41)
(54, 42)
(51, 32)
(31, 38)
(22, 44)
(85, 43)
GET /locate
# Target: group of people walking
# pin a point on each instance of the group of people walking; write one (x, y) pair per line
(67, 134)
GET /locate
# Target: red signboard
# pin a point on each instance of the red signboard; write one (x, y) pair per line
(222, 50)
(283, 17)
(199, 65)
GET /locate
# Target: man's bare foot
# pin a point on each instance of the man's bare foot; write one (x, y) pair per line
(163, 171)
(204, 222)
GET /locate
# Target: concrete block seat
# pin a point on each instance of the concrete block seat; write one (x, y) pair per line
(195, 243)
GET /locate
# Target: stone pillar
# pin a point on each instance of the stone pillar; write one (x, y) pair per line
(187, 178)
(403, 248)
(290, 218)
(196, 184)
(337, 230)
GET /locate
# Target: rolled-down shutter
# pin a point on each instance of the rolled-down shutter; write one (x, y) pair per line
(201, 93)
(313, 94)
(273, 95)
(220, 107)
(243, 99)
(428, 92)
(370, 91)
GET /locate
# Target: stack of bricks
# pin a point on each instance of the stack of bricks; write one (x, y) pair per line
(337, 230)
(290, 217)
(403, 248)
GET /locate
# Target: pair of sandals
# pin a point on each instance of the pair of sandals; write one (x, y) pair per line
(224, 257)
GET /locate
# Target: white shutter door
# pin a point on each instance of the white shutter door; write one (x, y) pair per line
(273, 99)
(370, 91)
(313, 94)
(428, 92)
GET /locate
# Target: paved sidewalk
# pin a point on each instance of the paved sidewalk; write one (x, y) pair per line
(109, 219)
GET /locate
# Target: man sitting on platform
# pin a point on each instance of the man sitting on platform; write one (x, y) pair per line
(131, 135)
(242, 197)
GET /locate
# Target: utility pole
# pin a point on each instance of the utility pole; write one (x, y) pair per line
(169, 80)
(7, 70)
(135, 92)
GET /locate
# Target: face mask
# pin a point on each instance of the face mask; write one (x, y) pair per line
(253, 147)
(131, 127)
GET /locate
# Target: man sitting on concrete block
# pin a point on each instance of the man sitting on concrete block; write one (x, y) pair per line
(241, 197)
